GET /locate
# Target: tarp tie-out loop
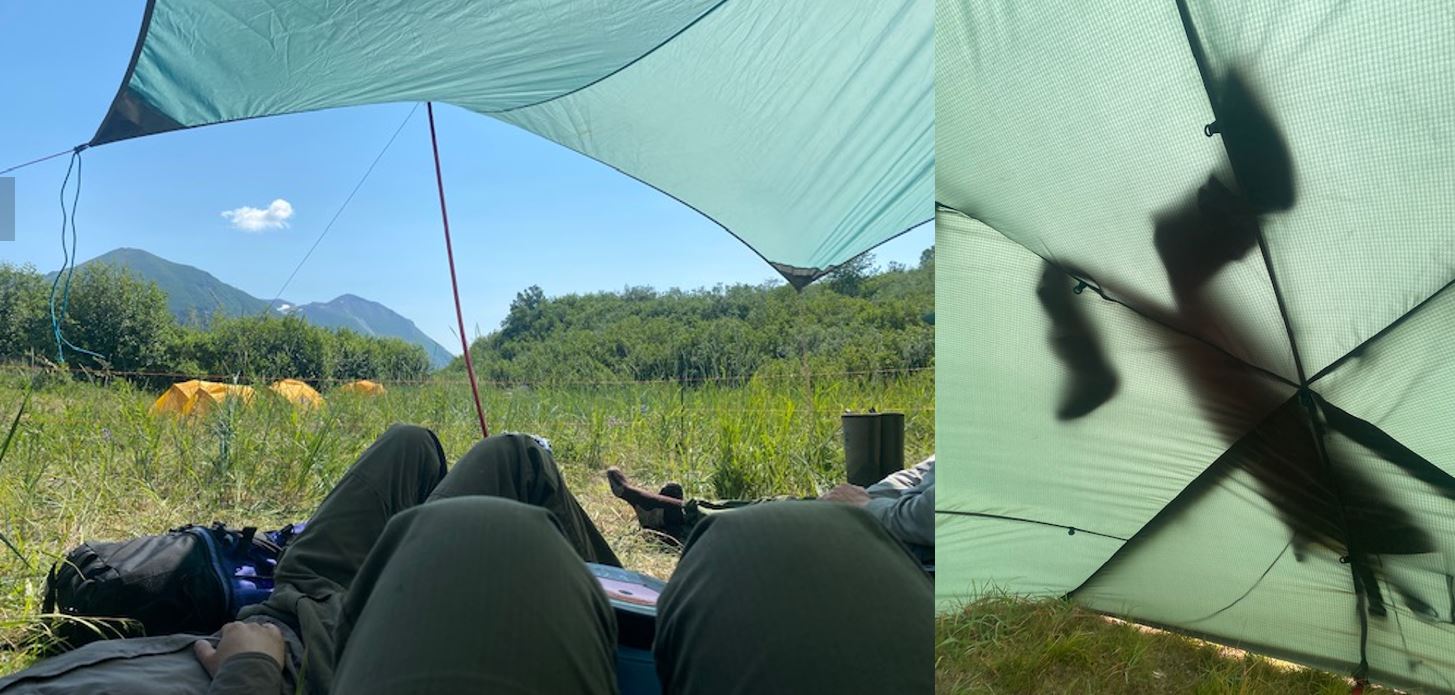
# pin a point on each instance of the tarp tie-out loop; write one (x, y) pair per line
(68, 264)
(1212, 129)
(1080, 287)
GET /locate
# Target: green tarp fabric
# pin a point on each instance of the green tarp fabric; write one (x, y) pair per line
(1195, 318)
(803, 128)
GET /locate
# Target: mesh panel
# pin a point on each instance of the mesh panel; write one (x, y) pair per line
(1402, 381)
(1363, 93)
(1079, 135)
(1256, 554)
(1013, 557)
(1009, 367)
(1331, 185)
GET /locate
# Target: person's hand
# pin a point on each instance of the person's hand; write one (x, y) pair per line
(238, 638)
(848, 494)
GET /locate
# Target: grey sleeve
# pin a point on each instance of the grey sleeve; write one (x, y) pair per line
(895, 483)
(911, 516)
(248, 673)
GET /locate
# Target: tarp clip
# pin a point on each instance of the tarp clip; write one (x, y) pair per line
(1080, 287)
(1211, 129)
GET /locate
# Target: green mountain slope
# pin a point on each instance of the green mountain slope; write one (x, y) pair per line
(193, 295)
(370, 318)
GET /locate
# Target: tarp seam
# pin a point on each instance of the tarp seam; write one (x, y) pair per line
(1199, 59)
(628, 64)
(1003, 517)
(1381, 333)
(1214, 468)
(1091, 284)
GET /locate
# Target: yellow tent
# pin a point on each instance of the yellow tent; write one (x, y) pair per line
(363, 387)
(299, 393)
(195, 396)
(175, 399)
(212, 394)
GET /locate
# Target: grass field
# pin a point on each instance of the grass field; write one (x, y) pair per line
(1005, 645)
(88, 463)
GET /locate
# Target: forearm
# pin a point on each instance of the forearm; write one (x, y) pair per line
(910, 518)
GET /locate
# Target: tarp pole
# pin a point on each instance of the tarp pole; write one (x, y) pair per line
(454, 281)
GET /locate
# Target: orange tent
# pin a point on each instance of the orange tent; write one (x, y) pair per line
(196, 396)
(212, 394)
(363, 387)
(298, 392)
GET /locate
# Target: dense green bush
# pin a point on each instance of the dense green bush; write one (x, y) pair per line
(126, 322)
(24, 316)
(120, 318)
(854, 320)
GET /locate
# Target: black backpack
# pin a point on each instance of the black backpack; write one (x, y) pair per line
(190, 579)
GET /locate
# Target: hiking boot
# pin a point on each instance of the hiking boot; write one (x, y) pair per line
(660, 512)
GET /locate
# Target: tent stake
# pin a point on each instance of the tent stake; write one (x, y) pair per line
(454, 282)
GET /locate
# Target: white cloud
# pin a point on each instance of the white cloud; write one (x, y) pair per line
(250, 219)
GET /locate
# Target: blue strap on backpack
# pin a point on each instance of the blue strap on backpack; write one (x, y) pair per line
(191, 579)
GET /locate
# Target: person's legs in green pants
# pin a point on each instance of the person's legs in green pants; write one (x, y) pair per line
(471, 595)
(402, 469)
(396, 472)
(795, 597)
(517, 467)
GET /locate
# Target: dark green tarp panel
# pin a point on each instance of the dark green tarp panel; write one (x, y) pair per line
(1195, 319)
(804, 128)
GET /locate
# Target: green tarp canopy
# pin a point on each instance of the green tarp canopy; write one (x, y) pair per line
(1195, 319)
(804, 128)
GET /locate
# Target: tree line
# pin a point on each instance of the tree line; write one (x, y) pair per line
(124, 320)
(858, 319)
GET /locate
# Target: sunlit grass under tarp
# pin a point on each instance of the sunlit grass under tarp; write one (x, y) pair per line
(1003, 644)
(89, 463)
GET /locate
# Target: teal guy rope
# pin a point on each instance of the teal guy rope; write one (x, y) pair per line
(55, 282)
(68, 265)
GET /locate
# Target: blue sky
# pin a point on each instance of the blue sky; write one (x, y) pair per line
(523, 210)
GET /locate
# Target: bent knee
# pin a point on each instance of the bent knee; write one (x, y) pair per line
(792, 520)
(503, 445)
(406, 434)
(478, 519)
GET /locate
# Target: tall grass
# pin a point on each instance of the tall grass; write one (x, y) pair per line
(86, 461)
